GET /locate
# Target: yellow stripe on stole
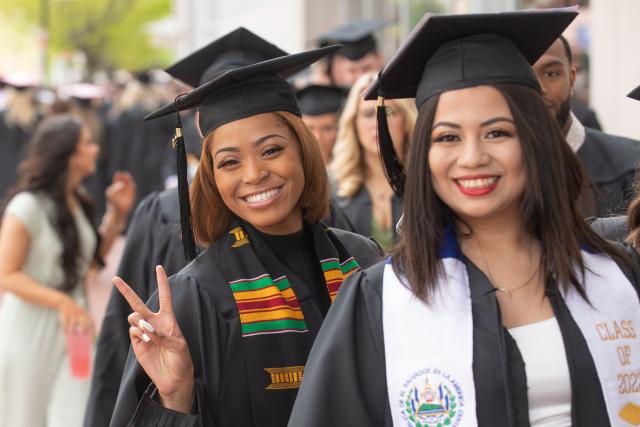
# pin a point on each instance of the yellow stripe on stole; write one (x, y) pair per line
(283, 313)
(264, 293)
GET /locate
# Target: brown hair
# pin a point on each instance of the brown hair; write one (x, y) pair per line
(212, 218)
(550, 205)
(633, 217)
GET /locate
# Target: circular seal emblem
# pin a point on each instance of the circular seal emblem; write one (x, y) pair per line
(431, 398)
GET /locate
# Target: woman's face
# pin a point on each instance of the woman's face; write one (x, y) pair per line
(82, 162)
(366, 126)
(476, 156)
(258, 170)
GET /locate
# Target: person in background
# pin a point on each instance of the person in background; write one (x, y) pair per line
(320, 107)
(364, 194)
(493, 310)
(17, 121)
(136, 146)
(359, 53)
(48, 241)
(610, 161)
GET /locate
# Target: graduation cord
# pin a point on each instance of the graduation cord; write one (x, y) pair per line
(188, 238)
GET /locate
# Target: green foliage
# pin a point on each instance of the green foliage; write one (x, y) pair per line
(111, 33)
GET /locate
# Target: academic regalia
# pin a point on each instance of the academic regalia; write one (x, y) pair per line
(585, 114)
(610, 162)
(613, 228)
(317, 100)
(153, 239)
(345, 377)
(139, 148)
(13, 149)
(247, 370)
(358, 210)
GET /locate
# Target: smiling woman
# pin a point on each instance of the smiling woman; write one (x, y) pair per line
(231, 347)
(265, 169)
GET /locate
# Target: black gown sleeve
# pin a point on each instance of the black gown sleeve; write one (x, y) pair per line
(135, 405)
(113, 342)
(344, 381)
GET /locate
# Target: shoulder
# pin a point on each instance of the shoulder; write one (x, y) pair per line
(611, 228)
(368, 281)
(620, 152)
(29, 207)
(365, 250)
(169, 205)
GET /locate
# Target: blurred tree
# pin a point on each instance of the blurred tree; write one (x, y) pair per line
(111, 33)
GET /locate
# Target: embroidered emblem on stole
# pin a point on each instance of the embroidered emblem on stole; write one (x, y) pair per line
(267, 306)
(240, 236)
(336, 272)
(285, 378)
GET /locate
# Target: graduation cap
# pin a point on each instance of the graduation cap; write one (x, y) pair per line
(450, 52)
(233, 95)
(235, 49)
(315, 100)
(635, 94)
(355, 37)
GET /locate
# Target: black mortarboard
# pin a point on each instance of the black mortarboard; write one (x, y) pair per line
(235, 49)
(451, 52)
(315, 100)
(356, 38)
(233, 95)
(635, 94)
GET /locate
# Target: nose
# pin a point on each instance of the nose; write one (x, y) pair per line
(473, 154)
(254, 172)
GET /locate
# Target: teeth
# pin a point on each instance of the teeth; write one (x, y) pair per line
(477, 183)
(261, 197)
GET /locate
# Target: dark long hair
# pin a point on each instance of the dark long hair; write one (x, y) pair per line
(45, 170)
(550, 205)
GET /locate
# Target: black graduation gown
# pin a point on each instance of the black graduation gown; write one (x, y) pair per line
(140, 147)
(153, 238)
(610, 162)
(345, 377)
(13, 145)
(233, 386)
(358, 211)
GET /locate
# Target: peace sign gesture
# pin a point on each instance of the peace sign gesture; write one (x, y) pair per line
(160, 346)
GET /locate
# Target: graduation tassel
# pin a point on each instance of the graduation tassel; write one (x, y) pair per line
(188, 239)
(393, 168)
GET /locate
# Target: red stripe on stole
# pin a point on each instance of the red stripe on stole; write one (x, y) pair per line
(275, 302)
(333, 287)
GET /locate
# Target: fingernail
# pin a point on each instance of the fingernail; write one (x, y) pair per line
(145, 338)
(146, 326)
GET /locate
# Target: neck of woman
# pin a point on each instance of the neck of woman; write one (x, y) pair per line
(70, 192)
(506, 234)
(374, 175)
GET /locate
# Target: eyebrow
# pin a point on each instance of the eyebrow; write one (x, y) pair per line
(483, 124)
(552, 63)
(259, 141)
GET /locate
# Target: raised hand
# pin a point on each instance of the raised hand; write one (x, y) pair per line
(121, 194)
(160, 346)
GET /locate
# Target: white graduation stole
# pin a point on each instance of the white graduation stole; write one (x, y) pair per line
(611, 327)
(429, 349)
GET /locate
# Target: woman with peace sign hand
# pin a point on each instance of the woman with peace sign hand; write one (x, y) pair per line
(224, 341)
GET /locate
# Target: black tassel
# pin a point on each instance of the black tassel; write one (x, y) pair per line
(392, 166)
(188, 239)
